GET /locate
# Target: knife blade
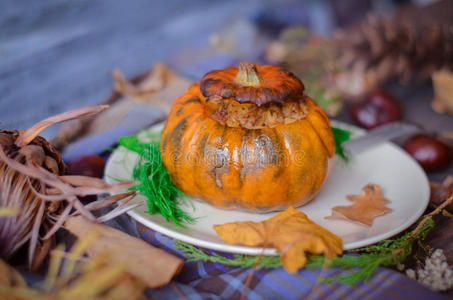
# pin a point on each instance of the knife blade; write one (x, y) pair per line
(379, 135)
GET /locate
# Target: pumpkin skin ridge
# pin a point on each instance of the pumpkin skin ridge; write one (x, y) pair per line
(206, 159)
(166, 141)
(182, 107)
(294, 172)
(237, 193)
(190, 157)
(325, 134)
(322, 170)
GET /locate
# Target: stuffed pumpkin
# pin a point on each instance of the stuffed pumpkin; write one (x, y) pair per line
(248, 138)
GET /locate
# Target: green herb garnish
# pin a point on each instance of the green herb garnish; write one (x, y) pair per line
(340, 136)
(388, 253)
(193, 253)
(154, 181)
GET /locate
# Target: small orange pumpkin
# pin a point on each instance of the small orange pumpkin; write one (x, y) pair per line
(248, 138)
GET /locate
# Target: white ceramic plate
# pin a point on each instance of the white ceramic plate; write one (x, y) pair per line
(403, 182)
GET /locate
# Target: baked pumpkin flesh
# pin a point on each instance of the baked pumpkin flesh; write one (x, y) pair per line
(248, 138)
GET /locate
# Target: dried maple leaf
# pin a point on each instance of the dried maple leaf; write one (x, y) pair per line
(365, 208)
(291, 232)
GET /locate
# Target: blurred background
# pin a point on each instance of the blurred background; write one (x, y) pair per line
(58, 55)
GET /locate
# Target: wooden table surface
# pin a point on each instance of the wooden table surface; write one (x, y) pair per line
(58, 55)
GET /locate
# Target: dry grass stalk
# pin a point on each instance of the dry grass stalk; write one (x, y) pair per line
(78, 278)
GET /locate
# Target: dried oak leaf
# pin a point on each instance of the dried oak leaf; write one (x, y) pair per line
(365, 208)
(291, 232)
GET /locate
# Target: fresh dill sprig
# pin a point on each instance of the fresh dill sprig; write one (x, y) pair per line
(340, 136)
(387, 253)
(154, 181)
(245, 261)
(384, 254)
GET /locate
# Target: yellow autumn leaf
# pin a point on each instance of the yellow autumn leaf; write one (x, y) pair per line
(291, 232)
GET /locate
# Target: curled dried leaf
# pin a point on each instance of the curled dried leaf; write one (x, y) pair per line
(291, 232)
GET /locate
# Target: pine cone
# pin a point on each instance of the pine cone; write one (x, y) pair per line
(383, 49)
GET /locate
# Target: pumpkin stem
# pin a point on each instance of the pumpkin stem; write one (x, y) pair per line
(248, 75)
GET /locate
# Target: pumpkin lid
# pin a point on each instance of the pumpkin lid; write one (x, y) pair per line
(252, 83)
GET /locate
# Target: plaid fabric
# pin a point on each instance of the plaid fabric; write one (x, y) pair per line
(199, 280)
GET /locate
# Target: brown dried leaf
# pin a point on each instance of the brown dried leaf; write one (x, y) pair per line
(365, 208)
(140, 93)
(153, 266)
(291, 232)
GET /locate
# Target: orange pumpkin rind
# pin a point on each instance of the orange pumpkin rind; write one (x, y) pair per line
(253, 169)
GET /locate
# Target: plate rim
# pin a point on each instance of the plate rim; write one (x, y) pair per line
(237, 249)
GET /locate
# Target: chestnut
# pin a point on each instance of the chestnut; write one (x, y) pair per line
(431, 153)
(90, 165)
(379, 108)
